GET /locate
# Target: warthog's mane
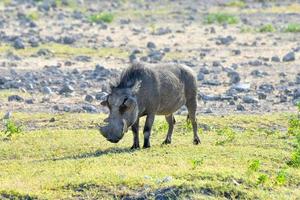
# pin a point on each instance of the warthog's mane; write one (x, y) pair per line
(130, 76)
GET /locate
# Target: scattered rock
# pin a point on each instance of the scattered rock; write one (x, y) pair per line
(15, 98)
(240, 107)
(241, 87)
(234, 77)
(68, 40)
(46, 90)
(275, 59)
(225, 40)
(18, 44)
(89, 98)
(151, 45)
(268, 88)
(250, 99)
(66, 89)
(289, 57)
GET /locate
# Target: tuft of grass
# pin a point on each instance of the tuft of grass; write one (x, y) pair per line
(102, 17)
(266, 28)
(221, 18)
(11, 128)
(262, 179)
(33, 15)
(236, 3)
(294, 129)
(254, 166)
(281, 177)
(228, 135)
(292, 28)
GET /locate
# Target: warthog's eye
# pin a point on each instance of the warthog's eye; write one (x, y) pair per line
(123, 107)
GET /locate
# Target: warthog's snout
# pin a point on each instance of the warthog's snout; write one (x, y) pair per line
(114, 132)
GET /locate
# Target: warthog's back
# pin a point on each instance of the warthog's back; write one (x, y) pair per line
(176, 82)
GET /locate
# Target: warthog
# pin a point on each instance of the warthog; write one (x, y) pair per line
(148, 91)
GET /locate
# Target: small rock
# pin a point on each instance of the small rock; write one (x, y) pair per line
(18, 44)
(68, 40)
(249, 99)
(240, 107)
(66, 89)
(275, 59)
(261, 95)
(255, 63)
(234, 77)
(7, 115)
(46, 90)
(89, 98)
(296, 94)
(283, 98)
(200, 76)
(212, 82)
(52, 119)
(225, 40)
(289, 57)
(83, 58)
(89, 108)
(268, 88)
(151, 45)
(236, 52)
(29, 101)
(241, 87)
(15, 98)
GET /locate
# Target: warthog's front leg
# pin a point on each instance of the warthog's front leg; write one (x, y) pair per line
(135, 131)
(147, 130)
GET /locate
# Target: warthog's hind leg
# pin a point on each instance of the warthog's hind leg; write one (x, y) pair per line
(191, 105)
(171, 121)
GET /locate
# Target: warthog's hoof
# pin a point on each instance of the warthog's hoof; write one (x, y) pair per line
(167, 141)
(196, 141)
(135, 146)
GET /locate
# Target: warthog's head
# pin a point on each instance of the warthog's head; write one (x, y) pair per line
(123, 108)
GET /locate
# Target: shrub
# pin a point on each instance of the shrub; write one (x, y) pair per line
(221, 18)
(11, 128)
(102, 17)
(293, 28)
(266, 28)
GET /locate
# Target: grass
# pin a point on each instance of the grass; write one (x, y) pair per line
(102, 17)
(66, 51)
(236, 3)
(221, 18)
(266, 28)
(292, 28)
(68, 158)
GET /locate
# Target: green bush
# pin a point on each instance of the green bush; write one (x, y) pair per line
(293, 28)
(221, 18)
(266, 28)
(102, 17)
(11, 128)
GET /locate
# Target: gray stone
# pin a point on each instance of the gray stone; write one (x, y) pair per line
(18, 44)
(261, 95)
(66, 89)
(225, 40)
(255, 63)
(268, 88)
(15, 98)
(200, 76)
(151, 45)
(68, 40)
(212, 82)
(289, 57)
(83, 58)
(89, 98)
(250, 99)
(241, 87)
(89, 108)
(46, 90)
(234, 77)
(275, 59)
(296, 94)
(240, 107)
(29, 101)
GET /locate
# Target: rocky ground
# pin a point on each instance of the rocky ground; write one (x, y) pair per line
(56, 56)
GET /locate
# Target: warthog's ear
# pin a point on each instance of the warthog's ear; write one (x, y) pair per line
(137, 85)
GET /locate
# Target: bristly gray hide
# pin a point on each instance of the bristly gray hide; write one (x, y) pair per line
(148, 91)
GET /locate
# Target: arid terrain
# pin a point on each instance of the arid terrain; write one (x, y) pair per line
(58, 56)
(54, 53)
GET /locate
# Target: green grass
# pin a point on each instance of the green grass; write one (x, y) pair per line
(236, 3)
(67, 51)
(266, 28)
(292, 28)
(221, 18)
(68, 158)
(102, 17)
